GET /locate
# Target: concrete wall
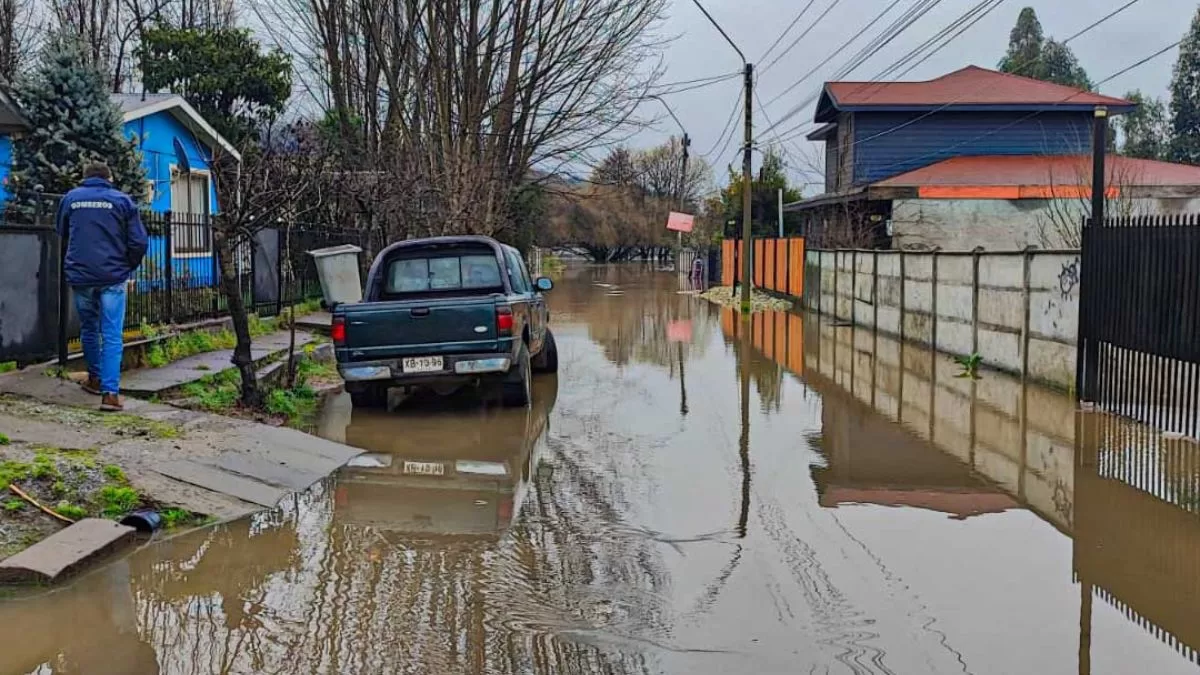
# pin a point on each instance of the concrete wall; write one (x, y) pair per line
(999, 224)
(1022, 438)
(1017, 310)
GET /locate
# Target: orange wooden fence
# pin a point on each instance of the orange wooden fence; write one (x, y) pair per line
(778, 264)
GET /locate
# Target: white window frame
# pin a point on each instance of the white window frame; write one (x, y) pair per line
(176, 254)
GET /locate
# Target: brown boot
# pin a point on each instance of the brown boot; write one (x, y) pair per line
(111, 403)
(91, 385)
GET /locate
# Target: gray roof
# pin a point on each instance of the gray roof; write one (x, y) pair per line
(137, 106)
(132, 102)
(11, 119)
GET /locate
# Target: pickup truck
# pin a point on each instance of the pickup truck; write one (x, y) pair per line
(441, 313)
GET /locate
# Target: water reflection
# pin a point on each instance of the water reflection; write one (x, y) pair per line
(899, 428)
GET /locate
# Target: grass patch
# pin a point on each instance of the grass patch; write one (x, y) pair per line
(15, 505)
(138, 426)
(176, 517)
(72, 511)
(114, 473)
(4, 439)
(116, 501)
(8, 367)
(552, 264)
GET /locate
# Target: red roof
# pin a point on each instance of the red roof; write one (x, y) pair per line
(1040, 171)
(969, 86)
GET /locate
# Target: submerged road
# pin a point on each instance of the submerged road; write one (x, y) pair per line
(691, 494)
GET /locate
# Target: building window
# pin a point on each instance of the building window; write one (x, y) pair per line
(191, 233)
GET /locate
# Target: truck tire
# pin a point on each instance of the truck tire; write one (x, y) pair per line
(370, 396)
(547, 360)
(517, 387)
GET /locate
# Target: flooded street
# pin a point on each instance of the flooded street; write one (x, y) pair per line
(690, 494)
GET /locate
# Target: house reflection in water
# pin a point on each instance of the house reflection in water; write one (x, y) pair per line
(901, 428)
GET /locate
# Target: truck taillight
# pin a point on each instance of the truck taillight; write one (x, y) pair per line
(504, 320)
(337, 330)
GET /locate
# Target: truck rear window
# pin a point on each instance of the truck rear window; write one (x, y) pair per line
(464, 272)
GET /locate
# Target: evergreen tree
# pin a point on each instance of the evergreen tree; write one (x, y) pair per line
(1059, 65)
(224, 72)
(1185, 98)
(1025, 43)
(1030, 54)
(74, 122)
(1145, 131)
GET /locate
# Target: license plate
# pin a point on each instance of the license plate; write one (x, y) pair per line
(422, 364)
(425, 468)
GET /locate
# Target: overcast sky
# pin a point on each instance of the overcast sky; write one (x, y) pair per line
(698, 51)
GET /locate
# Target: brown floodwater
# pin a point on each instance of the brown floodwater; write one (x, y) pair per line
(691, 494)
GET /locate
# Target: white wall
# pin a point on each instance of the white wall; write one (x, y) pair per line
(1017, 310)
(997, 224)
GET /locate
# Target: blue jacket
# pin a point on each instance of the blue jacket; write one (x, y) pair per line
(106, 237)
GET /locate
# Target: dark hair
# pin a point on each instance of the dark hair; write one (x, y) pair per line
(97, 170)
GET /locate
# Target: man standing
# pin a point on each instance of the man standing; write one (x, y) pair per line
(105, 244)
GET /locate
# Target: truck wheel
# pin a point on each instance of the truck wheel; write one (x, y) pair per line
(547, 360)
(370, 396)
(517, 392)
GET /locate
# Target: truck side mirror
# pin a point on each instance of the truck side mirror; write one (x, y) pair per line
(544, 284)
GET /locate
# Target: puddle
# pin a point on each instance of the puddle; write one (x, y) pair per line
(692, 494)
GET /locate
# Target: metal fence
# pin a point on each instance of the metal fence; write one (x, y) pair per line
(177, 282)
(1139, 333)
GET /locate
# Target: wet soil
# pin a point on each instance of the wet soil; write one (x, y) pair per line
(692, 493)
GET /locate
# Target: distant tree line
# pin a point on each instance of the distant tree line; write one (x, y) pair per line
(1156, 129)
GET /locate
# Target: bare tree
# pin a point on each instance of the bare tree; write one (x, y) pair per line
(463, 98)
(270, 183)
(18, 36)
(1070, 201)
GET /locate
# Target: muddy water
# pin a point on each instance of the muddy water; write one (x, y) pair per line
(690, 495)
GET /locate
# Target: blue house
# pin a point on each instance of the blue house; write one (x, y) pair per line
(973, 158)
(178, 147)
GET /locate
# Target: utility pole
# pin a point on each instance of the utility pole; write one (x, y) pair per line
(747, 233)
(1088, 353)
(781, 213)
(687, 141)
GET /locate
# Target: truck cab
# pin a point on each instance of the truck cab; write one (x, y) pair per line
(444, 312)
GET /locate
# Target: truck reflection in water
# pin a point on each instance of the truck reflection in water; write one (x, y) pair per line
(450, 468)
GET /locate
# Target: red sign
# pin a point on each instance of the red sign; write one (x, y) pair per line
(679, 331)
(680, 222)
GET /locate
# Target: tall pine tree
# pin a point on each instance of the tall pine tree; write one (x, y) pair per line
(1025, 43)
(74, 122)
(1030, 54)
(1185, 98)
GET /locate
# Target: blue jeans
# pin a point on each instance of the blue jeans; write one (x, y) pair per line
(102, 324)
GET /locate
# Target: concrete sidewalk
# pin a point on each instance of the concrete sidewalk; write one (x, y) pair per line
(146, 382)
(205, 463)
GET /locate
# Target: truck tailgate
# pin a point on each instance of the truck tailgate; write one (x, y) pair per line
(392, 329)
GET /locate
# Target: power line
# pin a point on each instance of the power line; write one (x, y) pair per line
(786, 31)
(1020, 68)
(901, 24)
(839, 50)
(799, 37)
(725, 131)
(962, 24)
(700, 82)
(719, 29)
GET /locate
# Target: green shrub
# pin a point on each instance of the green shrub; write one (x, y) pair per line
(117, 501)
(69, 510)
(4, 439)
(8, 366)
(174, 517)
(114, 473)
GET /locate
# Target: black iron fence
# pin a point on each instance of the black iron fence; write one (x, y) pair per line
(177, 282)
(1139, 320)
